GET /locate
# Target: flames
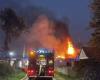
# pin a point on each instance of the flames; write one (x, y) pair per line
(71, 49)
(42, 34)
(66, 50)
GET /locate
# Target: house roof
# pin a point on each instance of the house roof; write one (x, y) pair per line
(92, 52)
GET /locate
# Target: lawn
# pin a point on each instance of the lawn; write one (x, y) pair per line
(67, 77)
(15, 76)
(10, 73)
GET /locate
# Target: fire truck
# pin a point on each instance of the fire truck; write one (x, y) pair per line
(41, 64)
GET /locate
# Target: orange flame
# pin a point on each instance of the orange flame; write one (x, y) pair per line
(65, 49)
(71, 49)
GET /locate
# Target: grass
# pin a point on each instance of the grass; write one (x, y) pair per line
(10, 73)
(16, 76)
(68, 77)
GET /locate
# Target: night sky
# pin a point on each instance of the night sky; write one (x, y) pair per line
(77, 11)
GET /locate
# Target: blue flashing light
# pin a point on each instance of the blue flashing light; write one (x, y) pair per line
(43, 51)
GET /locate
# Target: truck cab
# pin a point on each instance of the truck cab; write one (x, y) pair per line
(41, 64)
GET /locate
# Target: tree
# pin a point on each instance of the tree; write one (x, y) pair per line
(11, 24)
(95, 24)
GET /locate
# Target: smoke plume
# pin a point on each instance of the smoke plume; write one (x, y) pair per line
(42, 33)
(45, 33)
